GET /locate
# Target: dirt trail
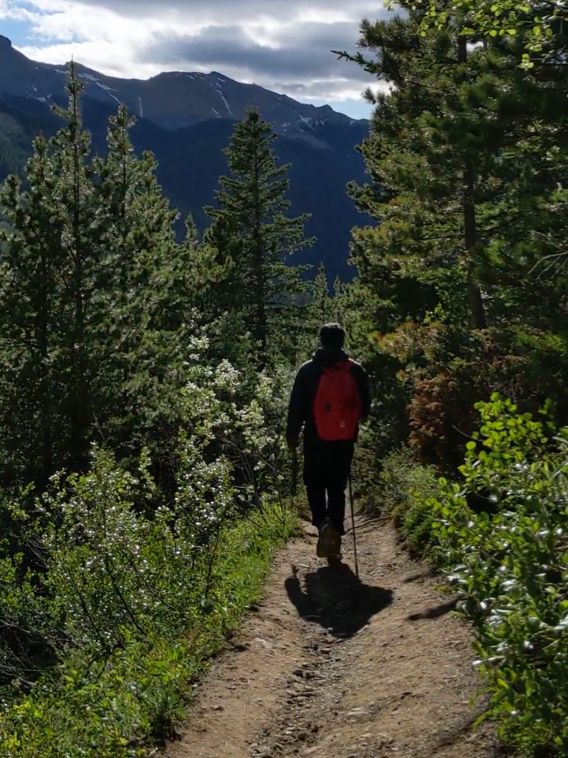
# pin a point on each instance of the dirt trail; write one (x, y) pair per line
(329, 666)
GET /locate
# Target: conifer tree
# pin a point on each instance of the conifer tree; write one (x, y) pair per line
(152, 291)
(320, 300)
(50, 251)
(98, 301)
(79, 239)
(140, 251)
(254, 237)
(465, 156)
(447, 153)
(30, 285)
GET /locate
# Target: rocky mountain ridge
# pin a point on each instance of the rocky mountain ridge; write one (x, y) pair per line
(172, 99)
(186, 119)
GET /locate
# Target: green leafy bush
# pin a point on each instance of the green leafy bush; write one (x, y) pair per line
(133, 607)
(508, 558)
(119, 595)
(402, 489)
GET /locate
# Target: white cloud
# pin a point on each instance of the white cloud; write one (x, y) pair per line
(281, 44)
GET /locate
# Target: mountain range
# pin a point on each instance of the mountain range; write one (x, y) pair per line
(187, 119)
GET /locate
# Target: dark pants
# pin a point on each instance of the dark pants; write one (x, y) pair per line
(326, 471)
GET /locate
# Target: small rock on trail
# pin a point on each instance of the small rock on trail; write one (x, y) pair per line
(337, 667)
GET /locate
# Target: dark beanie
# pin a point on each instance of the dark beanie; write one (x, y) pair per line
(332, 336)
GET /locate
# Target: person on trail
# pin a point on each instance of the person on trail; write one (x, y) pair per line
(330, 396)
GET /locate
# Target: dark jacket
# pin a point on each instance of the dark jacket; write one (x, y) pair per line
(300, 411)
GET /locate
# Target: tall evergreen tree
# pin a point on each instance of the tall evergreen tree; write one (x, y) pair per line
(50, 252)
(151, 295)
(137, 322)
(321, 305)
(98, 302)
(465, 155)
(30, 283)
(254, 237)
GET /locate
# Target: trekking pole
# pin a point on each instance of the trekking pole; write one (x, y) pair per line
(353, 525)
(294, 482)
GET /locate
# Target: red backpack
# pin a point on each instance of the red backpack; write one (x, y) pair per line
(337, 404)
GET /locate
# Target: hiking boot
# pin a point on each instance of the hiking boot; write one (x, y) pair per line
(329, 542)
(322, 548)
(334, 555)
(334, 560)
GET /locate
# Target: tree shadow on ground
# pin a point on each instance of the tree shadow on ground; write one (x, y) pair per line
(333, 597)
(436, 612)
(429, 574)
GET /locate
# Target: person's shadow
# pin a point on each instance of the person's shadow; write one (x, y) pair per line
(336, 599)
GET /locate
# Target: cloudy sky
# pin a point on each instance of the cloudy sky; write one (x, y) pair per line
(281, 44)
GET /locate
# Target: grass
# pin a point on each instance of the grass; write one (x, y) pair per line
(123, 706)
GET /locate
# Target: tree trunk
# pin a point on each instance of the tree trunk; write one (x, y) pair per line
(261, 327)
(44, 383)
(80, 402)
(471, 241)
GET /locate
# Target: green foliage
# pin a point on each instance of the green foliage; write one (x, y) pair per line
(118, 704)
(465, 265)
(13, 143)
(461, 295)
(402, 488)
(139, 466)
(94, 298)
(47, 269)
(229, 419)
(501, 535)
(254, 238)
(124, 601)
(538, 23)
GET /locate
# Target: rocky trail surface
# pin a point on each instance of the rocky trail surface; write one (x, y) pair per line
(329, 665)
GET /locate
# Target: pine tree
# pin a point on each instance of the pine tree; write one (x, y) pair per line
(465, 155)
(50, 250)
(254, 238)
(139, 252)
(79, 235)
(320, 300)
(30, 282)
(455, 146)
(98, 301)
(153, 291)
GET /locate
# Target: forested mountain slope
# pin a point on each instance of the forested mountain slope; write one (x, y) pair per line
(186, 121)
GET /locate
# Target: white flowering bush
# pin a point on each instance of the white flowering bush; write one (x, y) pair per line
(236, 420)
(123, 592)
(112, 572)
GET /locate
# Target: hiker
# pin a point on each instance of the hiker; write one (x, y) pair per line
(330, 396)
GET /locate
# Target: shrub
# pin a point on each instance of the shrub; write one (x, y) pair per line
(509, 563)
(122, 594)
(402, 490)
(133, 607)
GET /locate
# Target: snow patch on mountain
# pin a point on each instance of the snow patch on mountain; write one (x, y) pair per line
(308, 121)
(224, 99)
(109, 90)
